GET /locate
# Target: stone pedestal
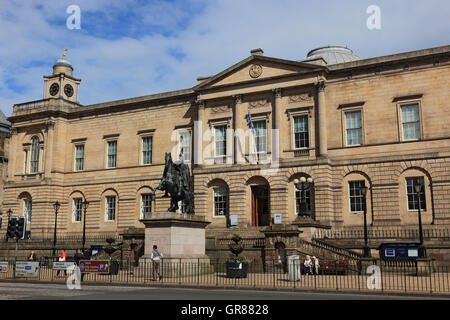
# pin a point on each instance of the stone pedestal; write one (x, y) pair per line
(178, 236)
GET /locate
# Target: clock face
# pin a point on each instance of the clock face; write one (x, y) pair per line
(54, 89)
(68, 90)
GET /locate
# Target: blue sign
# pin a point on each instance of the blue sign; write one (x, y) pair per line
(101, 267)
(82, 266)
(27, 267)
(390, 253)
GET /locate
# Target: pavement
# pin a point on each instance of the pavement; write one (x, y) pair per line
(46, 291)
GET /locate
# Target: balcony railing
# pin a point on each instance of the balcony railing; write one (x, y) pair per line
(44, 103)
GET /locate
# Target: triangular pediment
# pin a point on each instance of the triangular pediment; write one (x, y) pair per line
(257, 68)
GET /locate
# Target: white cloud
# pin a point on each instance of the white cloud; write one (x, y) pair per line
(213, 35)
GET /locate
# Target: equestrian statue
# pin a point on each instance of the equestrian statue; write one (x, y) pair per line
(176, 182)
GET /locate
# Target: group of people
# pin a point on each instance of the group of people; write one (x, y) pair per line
(311, 265)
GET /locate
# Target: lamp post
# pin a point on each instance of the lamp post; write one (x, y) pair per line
(418, 188)
(303, 185)
(85, 205)
(56, 205)
(366, 249)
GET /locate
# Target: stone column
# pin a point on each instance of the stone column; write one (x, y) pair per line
(323, 145)
(239, 140)
(198, 132)
(277, 114)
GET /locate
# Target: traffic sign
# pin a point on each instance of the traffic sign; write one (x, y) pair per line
(60, 265)
(94, 266)
(27, 269)
(3, 266)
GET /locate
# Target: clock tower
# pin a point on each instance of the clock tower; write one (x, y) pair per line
(61, 84)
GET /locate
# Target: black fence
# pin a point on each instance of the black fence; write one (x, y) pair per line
(338, 275)
(410, 234)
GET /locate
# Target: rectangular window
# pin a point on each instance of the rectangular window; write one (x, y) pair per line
(146, 205)
(147, 146)
(110, 208)
(220, 202)
(301, 133)
(35, 149)
(353, 125)
(220, 137)
(79, 157)
(357, 203)
(27, 205)
(25, 161)
(77, 209)
(413, 202)
(112, 154)
(260, 133)
(185, 145)
(411, 122)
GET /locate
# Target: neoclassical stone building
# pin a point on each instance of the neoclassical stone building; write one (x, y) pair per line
(343, 121)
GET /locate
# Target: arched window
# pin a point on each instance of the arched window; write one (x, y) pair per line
(34, 164)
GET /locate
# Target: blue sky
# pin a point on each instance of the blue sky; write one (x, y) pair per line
(129, 48)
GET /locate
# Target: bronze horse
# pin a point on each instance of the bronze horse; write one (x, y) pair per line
(176, 181)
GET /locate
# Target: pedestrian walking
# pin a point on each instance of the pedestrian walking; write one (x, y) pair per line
(77, 258)
(156, 261)
(307, 265)
(315, 265)
(62, 258)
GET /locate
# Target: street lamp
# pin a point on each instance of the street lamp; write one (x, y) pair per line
(418, 188)
(366, 249)
(56, 206)
(303, 185)
(85, 204)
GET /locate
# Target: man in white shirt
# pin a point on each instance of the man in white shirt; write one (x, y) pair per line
(156, 260)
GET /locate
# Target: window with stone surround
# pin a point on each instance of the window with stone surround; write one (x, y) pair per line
(356, 198)
(413, 202)
(260, 136)
(147, 148)
(410, 118)
(27, 208)
(301, 132)
(34, 161)
(77, 209)
(220, 202)
(185, 145)
(146, 204)
(353, 128)
(79, 157)
(220, 141)
(112, 154)
(110, 208)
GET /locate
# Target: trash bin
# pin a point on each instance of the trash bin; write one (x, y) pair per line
(294, 269)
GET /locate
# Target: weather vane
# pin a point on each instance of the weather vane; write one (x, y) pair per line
(64, 53)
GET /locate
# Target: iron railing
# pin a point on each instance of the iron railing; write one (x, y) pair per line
(410, 234)
(336, 275)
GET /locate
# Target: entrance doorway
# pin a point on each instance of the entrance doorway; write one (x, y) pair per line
(260, 205)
